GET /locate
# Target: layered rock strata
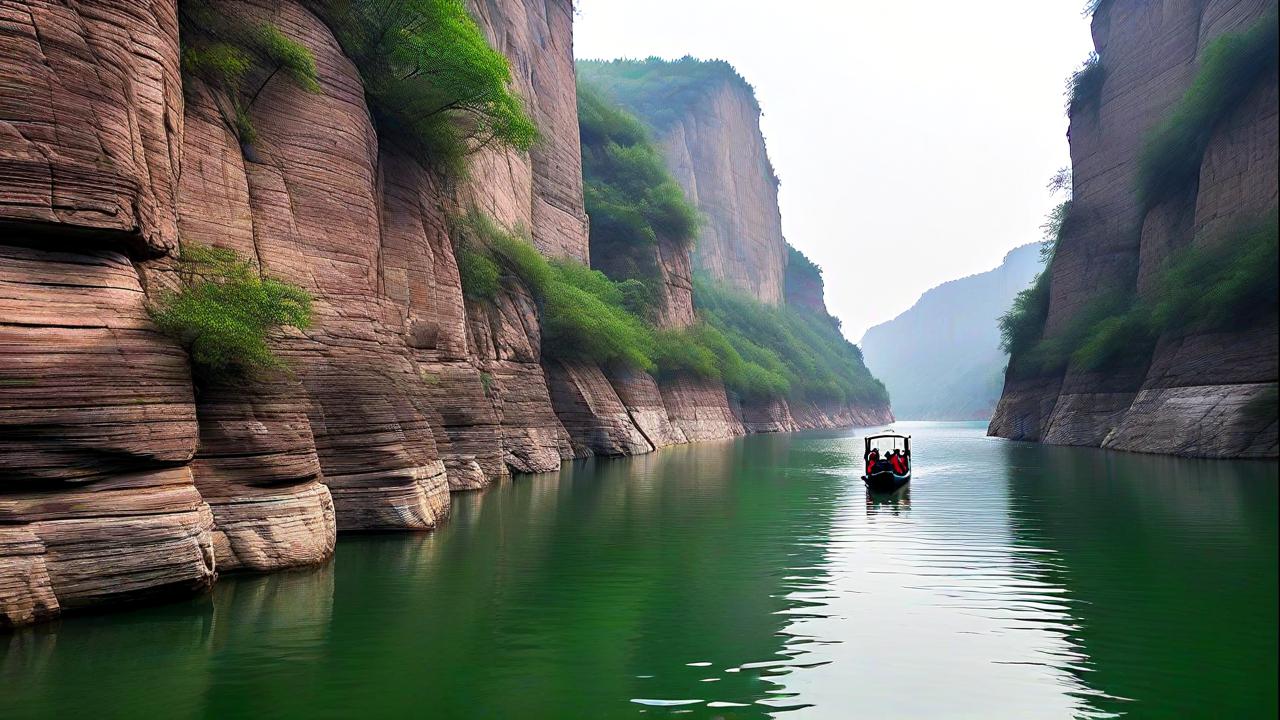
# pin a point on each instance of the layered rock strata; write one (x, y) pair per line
(120, 475)
(1197, 394)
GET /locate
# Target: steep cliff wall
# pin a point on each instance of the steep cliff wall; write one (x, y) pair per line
(717, 153)
(121, 477)
(707, 122)
(1196, 392)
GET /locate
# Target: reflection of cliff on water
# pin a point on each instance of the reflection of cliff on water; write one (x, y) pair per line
(1170, 570)
(158, 661)
(551, 596)
(619, 571)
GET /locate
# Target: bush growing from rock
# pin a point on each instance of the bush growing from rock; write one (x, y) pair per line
(223, 311)
(433, 83)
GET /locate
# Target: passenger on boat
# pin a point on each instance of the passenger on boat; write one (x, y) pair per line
(873, 459)
(899, 462)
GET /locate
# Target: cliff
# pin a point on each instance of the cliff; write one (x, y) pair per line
(941, 359)
(1202, 389)
(124, 478)
(707, 122)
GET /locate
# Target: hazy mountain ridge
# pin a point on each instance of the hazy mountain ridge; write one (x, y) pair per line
(941, 359)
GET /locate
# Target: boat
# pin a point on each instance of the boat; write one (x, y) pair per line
(885, 479)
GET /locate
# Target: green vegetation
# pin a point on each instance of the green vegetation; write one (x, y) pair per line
(433, 83)
(785, 351)
(757, 350)
(585, 318)
(660, 91)
(1230, 284)
(631, 198)
(1084, 88)
(1227, 285)
(1022, 325)
(1232, 66)
(800, 269)
(236, 59)
(223, 311)
(487, 252)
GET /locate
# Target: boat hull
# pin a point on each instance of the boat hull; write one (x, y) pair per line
(886, 481)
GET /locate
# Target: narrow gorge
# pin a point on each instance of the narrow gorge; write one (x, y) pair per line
(423, 369)
(1154, 327)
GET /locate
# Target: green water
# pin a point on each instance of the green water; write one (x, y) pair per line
(741, 579)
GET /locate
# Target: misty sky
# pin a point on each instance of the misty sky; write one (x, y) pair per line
(921, 133)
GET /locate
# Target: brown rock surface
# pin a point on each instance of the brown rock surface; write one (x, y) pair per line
(699, 409)
(717, 153)
(90, 119)
(639, 392)
(97, 424)
(597, 421)
(258, 470)
(543, 191)
(1193, 397)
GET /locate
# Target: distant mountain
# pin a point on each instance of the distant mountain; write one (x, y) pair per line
(941, 360)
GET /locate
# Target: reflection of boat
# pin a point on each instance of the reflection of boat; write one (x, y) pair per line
(882, 477)
(894, 502)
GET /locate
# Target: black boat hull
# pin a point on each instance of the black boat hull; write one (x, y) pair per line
(886, 481)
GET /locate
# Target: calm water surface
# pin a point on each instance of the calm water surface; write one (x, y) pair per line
(743, 579)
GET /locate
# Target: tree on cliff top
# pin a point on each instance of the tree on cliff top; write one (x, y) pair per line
(433, 82)
(660, 91)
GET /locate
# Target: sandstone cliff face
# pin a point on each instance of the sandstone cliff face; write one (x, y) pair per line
(1192, 397)
(717, 153)
(120, 477)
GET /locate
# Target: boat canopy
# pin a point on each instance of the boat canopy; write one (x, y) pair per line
(887, 441)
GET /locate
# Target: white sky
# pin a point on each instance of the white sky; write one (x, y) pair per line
(918, 132)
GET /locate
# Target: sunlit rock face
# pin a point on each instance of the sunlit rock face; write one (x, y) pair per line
(707, 123)
(1205, 394)
(122, 476)
(97, 415)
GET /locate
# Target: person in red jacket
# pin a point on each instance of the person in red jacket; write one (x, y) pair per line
(899, 462)
(873, 457)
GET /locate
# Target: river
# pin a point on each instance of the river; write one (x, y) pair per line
(738, 579)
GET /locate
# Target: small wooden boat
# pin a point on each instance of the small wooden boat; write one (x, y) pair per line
(883, 478)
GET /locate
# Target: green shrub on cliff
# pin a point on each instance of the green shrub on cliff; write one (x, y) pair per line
(236, 58)
(661, 91)
(478, 273)
(1224, 286)
(630, 196)
(1230, 284)
(432, 81)
(486, 251)
(224, 310)
(1232, 66)
(785, 351)
(1084, 88)
(584, 318)
(1022, 325)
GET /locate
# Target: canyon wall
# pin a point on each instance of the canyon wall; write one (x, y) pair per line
(707, 122)
(121, 475)
(717, 153)
(1206, 393)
